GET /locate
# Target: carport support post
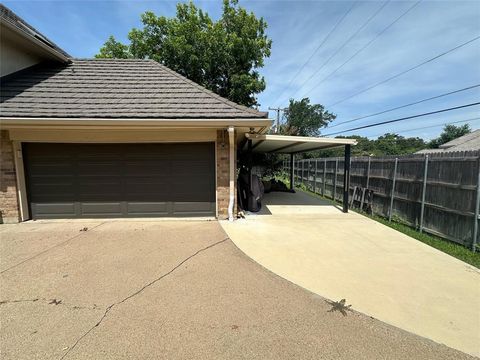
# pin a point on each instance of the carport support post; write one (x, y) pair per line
(292, 172)
(346, 178)
(324, 176)
(335, 181)
(250, 165)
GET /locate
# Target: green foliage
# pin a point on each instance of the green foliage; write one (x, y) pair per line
(305, 119)
(456, 250)
(113, 49)
(450, 132)
(222, 55)
(388, 144)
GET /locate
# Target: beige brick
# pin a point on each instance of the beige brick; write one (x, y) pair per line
(9, 209)
(223, 175)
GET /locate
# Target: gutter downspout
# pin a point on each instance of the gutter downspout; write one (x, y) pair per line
(231, 148)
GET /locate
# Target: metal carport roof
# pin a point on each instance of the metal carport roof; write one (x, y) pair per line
(285, 144)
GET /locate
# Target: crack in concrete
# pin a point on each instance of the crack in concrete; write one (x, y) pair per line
(82, 232)
(110, 307)
(50, 302)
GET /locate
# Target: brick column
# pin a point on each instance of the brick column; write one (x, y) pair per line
(9, 207)
(223, 175)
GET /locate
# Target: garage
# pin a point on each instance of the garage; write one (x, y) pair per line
(120, 180)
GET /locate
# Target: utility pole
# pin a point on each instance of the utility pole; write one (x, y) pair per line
(277, 126)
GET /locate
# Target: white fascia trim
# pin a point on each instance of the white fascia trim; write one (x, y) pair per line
(9, 122)
(37, 42)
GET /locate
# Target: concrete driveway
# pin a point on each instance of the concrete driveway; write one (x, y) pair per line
(170, 290)
(380, 271)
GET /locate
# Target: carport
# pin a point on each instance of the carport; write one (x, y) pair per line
(292, 145)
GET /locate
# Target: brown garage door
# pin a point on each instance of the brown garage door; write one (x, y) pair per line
(120, 180)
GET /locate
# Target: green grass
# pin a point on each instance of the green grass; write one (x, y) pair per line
(453, 249)
(448, 247)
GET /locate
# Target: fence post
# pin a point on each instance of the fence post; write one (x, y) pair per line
(366, 185)
(393, 190)
(424, 190)
(315, 177)
(303, 171)
(368, 172)
(477, 211)
(335, 180)
(324, 176)
(308, 174)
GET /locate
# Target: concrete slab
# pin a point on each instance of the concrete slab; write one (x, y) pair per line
(175, 290)
(382, 272)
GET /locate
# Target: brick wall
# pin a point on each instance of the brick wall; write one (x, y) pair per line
(9, 210)
(223, 175)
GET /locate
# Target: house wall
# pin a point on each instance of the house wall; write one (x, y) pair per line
(223, 175)
(9, 204)
(15, 53)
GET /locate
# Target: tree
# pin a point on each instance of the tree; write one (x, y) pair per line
(449, 133)
(222, 55)
(387, 144)
(113, 49)
(305, 119)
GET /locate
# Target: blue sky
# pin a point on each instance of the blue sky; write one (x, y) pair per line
(297, 28)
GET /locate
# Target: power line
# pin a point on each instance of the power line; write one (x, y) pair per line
(318, 48)
(277, 110)
(432, 126)
(406, 105)
(364, 47)
(405, 118)
(408, 70)
(343, 45)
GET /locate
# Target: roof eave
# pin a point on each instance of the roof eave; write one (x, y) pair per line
(56, 54)
(40, 122)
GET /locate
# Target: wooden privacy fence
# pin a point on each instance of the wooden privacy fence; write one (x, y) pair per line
(436, 193)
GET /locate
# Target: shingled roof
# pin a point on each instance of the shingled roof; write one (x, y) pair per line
(113, 88)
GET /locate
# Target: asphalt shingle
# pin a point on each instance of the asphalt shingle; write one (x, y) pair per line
(113, 88)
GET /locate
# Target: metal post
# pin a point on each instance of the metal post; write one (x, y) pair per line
(292, 173)
(346, 178)
(366, 185)
(335, 180)
(368, 172)
(324, 176)
(303, 171)
(392, 195)
(308, 175)
(477, 211)
(315, 178)
(424, 190)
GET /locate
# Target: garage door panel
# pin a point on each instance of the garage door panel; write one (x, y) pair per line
(120, 180)
(190, 208)
(101, 209)
(49, 210)
(148, 208)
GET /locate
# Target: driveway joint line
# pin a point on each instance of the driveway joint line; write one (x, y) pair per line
(110, 307)
(50, 248)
